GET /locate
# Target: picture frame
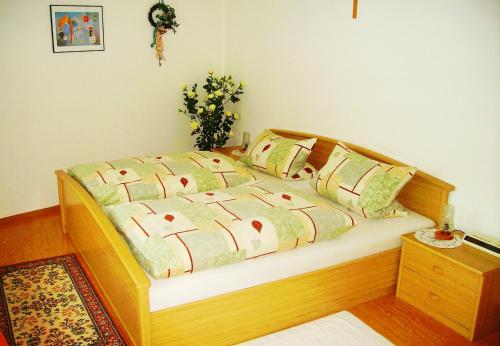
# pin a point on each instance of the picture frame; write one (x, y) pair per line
(76, 28)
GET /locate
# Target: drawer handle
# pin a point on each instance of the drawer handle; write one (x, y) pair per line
(433, 296)
(437, 270)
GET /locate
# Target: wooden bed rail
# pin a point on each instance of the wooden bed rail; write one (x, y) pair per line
(113, 269)
(425, 194)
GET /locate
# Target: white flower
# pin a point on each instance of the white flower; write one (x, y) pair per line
(191, 94)
(211, 107)
(214, 84)
(195, 125)
(184, 87)
(236, 115)
(211, 96)
(231, 133)
(200, 110)
(228, 113)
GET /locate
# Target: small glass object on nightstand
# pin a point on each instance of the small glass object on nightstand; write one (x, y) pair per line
(244, 145)
(447, 221)
(246, 140)
(446, 224)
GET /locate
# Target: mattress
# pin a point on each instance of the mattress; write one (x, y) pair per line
(342, 328)
(370, 236)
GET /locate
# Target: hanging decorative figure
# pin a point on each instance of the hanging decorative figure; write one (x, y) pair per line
(159, 43)
(162, 18)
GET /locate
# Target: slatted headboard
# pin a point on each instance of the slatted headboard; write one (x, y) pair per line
(424, 194)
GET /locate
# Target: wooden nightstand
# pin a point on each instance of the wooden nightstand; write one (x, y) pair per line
(228, 151)
(459, 287)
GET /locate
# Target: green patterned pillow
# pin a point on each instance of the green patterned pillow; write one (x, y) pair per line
(279, 156)
(363, 185)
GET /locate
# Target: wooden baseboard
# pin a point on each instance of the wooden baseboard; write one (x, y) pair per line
(31, 214)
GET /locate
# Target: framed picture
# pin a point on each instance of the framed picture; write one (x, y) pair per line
(76, 28)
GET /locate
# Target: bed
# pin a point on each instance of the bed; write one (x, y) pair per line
(243, 309)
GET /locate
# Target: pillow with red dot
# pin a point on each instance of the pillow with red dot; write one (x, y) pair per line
(305, 173)
(279, 156)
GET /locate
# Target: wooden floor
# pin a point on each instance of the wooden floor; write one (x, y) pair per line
(38, 235)
(32, 236)
(403, 324)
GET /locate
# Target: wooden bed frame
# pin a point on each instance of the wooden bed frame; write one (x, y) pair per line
(244, 314)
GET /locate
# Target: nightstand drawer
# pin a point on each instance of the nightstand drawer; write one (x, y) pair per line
(439, 269)
(442, 304)
(459, 287)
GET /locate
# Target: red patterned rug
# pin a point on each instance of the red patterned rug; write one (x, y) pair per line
(51, 302)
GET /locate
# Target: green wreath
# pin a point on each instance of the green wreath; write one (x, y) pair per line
(162, 18)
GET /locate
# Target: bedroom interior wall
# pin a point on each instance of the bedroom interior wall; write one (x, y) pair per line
(57, 110)
(417, 80)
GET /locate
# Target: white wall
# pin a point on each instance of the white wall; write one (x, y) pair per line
(57, 110)
(418, 80)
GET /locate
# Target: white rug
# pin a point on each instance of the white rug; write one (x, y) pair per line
(342, 328)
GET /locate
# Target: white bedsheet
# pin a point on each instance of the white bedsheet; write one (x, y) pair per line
(343, 329)
(367, 238)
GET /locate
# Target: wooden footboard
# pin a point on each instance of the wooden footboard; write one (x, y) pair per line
(113, 269)
(242, 315)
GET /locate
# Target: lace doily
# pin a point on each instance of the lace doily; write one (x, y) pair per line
(427, 236)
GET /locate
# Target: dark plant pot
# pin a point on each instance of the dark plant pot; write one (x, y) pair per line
(440, 235)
